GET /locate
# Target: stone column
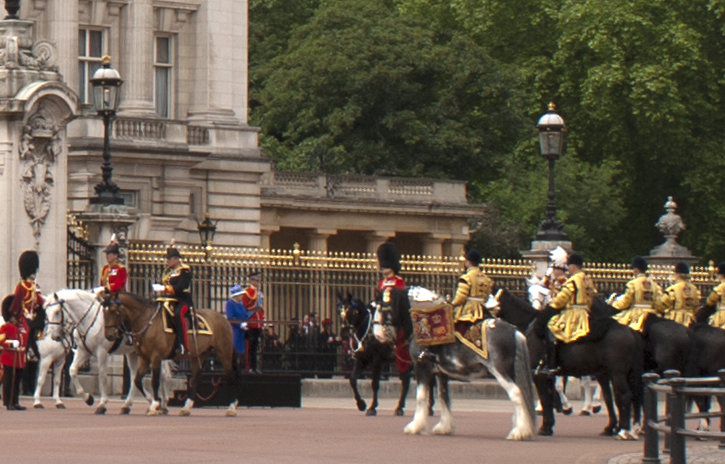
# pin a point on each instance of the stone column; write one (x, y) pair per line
(63, 27)
(138, 45)
(433, 246)
(221, 62)
(103, 222)
(377, 238)
(318, 239)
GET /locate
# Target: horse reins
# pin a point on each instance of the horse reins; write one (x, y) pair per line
(359, 341)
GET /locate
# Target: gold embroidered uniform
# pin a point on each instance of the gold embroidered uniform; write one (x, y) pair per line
(717, 299)
(679, 302)
(473, 290)
(573, 302)
(638, 301)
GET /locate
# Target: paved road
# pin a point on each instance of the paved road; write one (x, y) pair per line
(324, 430)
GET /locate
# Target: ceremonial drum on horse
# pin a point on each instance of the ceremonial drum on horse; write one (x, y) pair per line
(156, 338)
(75, 320)
(480, 346)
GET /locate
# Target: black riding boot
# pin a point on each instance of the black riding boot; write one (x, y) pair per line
(549, 365)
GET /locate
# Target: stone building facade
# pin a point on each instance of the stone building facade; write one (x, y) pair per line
(182, 146)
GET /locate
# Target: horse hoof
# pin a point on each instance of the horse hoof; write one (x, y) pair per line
(231, 413)
(608, 432)
(125, 411)
(399, 412)
(545, 431)
(184, 412)
(152, 412)
(100, 410)
(60, 406)
(38, 406)
(584, 412)
(371, 412)
(90, 400)
(361, 406)
(164, 411)
(567, 411)
(596, 409)
(625, 435)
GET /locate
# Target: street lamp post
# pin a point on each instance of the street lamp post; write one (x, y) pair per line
(551, 129)
(12, 7)
(106, 84)
(207, 229)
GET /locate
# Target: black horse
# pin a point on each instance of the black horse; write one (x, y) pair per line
(611, 353)
(706, 359)
(368, 351)
(506, 358)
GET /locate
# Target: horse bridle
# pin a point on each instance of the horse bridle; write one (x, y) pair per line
(359, 340)
(74, 326)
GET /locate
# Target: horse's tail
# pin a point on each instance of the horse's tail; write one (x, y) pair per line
(522, 374)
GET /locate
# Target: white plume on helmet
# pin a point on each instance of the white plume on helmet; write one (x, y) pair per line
(558, 257)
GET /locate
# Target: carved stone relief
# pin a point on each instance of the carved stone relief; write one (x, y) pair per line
(41, 143)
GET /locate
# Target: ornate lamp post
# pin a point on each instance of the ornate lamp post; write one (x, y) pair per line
(207, 229)
(551, 129)
(106, 84)
(12, 7)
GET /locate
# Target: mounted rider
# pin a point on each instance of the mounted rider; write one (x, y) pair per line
(27, 304)
(555, 280)
(571, 305)
(640, 298)
(715, 303)
(389, 264)
(113, 275)
(176, 286)
(681, 300)
(474, 288)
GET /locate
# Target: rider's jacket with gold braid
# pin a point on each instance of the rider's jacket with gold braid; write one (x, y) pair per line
(27, 299)
(573, 301)
(639, 300)
(177, 283)
(473, 290)
(554, 284)
(717, 299)
(680, 301)
(113, 278)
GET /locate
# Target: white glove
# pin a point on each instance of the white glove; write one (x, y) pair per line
(611, 298)
(243, 326)
(14, 343)
(98, 290)
(157, 287)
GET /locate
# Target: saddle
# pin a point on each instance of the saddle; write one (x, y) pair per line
(167, 316)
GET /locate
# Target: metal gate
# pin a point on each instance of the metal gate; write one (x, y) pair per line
(79, 262)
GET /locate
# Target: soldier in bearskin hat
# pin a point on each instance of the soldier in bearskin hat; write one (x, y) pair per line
(639, 299)
(27, 304)
(715, 302)
(474, 287)
(681, 299)
(176, 284)
(114, 274)
(13, 342)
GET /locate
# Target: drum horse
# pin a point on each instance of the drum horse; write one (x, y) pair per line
(143, 322)
(507, 360)
(74, 320)
(368, 351)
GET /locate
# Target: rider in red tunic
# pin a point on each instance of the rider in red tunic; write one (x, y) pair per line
(389, 262)
(28, 302)
(113, 274)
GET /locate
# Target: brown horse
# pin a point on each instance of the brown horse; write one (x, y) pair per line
(144, 322)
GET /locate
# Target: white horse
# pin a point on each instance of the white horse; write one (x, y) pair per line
(52, 354)
(75, 317)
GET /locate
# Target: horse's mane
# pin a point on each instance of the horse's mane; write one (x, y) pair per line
(516, 310)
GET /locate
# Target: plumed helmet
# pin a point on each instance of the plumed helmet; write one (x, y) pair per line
(172, 251)
(682, 268)
(7, 303)
(558, 257)
(639, 262)
(473, 256)
(575, 259)
(388, 256)
(113, 246)
(28, 263)
(721, 268)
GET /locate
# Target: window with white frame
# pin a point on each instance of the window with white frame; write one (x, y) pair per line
(91, 48)
(163, 70)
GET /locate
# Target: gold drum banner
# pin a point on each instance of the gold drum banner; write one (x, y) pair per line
(433, 325)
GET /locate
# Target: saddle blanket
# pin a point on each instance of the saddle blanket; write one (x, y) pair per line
(432, 322)
(475, 337)
(167, 314)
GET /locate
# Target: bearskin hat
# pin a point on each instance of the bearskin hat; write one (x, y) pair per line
(721, 268)
(558, 257)
(682, 268)
(7, 303)
(172, 251)
(388, 256)
(639, 262)
(28, 263)
(575, 259)
(473, 256)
